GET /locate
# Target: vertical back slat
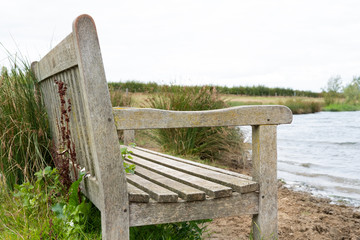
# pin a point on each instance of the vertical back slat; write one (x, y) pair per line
(77, 124)
(78, 117)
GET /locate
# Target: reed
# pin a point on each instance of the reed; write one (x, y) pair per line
(24, 130)
(213, 143)
(118, 97)
(299, 106)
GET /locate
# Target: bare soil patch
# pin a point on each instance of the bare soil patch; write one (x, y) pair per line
(301, 216)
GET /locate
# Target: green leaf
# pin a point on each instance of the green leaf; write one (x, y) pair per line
(73, 191)
(58, 209)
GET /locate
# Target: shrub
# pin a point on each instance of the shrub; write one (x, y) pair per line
(299, 106)
(42, 210)
(332, 91)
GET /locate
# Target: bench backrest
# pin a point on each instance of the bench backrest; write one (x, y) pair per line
(77, 62)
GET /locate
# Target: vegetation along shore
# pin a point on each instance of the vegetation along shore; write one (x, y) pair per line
(334, 96)
(34, 204)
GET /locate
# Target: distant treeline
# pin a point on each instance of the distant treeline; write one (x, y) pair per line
(135, 86)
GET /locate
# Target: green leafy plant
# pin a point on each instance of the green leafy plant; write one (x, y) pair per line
(75, 214)
(126, 153)
(42, 192)
(66, 216)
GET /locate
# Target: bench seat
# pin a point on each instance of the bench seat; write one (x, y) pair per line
(165, 178)
(163, 185)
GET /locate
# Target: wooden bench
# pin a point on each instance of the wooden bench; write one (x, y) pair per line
(164, 188)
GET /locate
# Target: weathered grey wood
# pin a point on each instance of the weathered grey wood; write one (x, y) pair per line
(155, 213)
(77, 120)
(146, 118)
(129, 137)
(184, 191)
(216, 169)
(62, 57)
(137, 195)
(265, 173)
(212, 189)
(93, 122)
(238, 184)
(102, 134)
(157, 192)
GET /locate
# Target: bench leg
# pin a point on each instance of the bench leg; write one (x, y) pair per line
(264, 151)
(129, 137)
(115, 225)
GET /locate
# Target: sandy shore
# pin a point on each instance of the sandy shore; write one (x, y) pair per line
(301, 216)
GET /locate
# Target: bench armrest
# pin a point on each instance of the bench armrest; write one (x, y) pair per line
(147, 118)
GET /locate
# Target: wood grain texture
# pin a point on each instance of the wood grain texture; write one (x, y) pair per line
(60, 58)
(157, 192)
(157, 213)
(146, 118)
(237, 184)
(186, 192)
(129, 137)
(216, 169)
(264, 158)
(212, 189)
(136, 194)
(103, 140)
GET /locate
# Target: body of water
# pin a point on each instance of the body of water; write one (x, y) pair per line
(320, 153)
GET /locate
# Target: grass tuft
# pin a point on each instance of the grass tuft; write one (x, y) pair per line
(339, 107)
(213, 143)
(24, 130)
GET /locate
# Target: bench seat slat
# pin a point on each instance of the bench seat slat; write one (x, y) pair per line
(186, 192)
(214, 190)
(238, 184)
(136, 194)
(160, 194)
(235, 174)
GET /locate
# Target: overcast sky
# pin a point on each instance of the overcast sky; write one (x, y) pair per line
(298, 44)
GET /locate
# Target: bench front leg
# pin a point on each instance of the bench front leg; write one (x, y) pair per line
(264, 159)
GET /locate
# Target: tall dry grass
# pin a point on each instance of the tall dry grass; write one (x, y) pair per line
(119, 98)
(24, 130)
(213, 143)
